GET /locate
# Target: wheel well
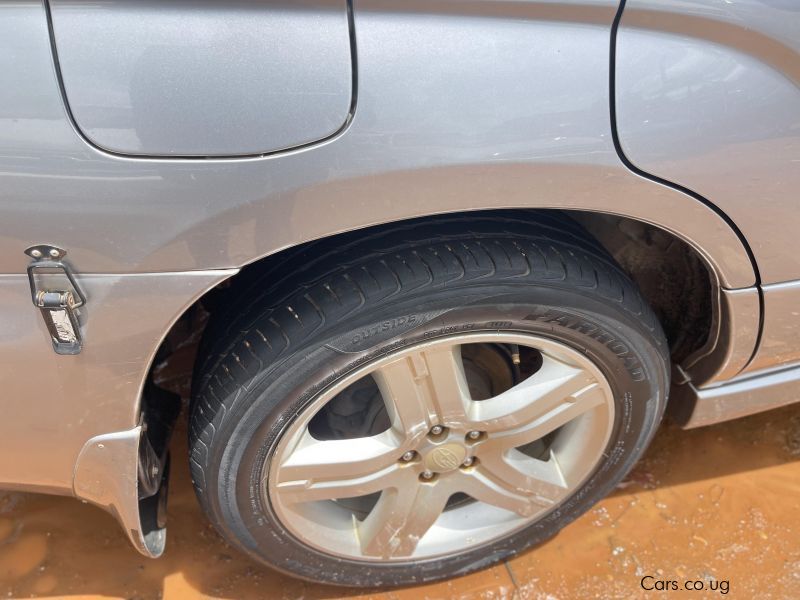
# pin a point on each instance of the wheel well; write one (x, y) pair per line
(671, 275)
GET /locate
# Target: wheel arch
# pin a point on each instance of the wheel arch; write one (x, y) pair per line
(643, 249)
(659, 260)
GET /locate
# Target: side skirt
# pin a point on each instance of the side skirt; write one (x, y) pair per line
(692, 407)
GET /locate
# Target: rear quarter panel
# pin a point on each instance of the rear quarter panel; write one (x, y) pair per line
(461, 106)
(707, 97)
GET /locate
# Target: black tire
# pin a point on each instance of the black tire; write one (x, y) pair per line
(291, 331)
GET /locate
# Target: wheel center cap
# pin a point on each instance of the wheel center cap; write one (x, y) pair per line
(445, 458)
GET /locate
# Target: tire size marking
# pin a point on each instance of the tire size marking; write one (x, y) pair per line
(448, 329)
(499, 325)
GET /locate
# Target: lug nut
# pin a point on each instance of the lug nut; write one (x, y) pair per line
(474, 435)
(437, 429)
(427, 474)
(408, 456)
(468, 462)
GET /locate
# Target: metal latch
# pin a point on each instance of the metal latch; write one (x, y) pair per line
(58, 306)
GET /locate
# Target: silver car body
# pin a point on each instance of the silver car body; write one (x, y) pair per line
(165, 145)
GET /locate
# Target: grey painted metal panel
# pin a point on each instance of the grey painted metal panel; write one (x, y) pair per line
(692, 407)
(106, 474)
(780, 338)
(208, 78)
(769, 380)
(708, 97)
(505, 105)
(53, 404)
(734, 341)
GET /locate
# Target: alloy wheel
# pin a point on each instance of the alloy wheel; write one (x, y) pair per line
(450, 471)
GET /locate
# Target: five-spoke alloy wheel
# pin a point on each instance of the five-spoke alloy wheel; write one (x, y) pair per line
(441, 443)
(424, 401)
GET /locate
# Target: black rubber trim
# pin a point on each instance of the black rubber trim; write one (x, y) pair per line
(348, 120)
(676, 186)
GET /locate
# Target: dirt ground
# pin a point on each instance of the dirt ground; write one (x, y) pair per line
(718, 505)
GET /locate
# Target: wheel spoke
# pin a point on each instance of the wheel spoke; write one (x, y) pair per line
(575, 405)
(324, 470)
(426, 387)
(540, 481)
(484, 489)
(397, 382)
(400, 519)
(554, 385)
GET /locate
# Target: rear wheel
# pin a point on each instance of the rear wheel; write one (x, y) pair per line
(424, 403)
